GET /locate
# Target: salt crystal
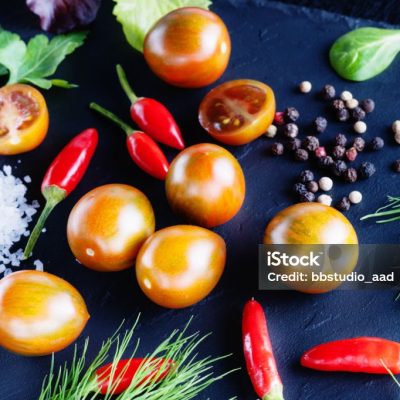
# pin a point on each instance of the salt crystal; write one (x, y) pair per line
(38, 265)
(16, 214)
(27, 179)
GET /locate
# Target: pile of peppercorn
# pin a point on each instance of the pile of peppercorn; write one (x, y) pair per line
(335, 158)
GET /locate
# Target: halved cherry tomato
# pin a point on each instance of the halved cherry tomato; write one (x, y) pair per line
(24, 119)
(238, 112)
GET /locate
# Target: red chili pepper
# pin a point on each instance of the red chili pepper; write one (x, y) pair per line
(143, 150)
(124, 372)
(258, 353)
(62, 177)
(152, 117)
(365, 354)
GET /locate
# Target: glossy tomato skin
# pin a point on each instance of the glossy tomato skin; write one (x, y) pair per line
(180, 265)
(315, 224)
(238, 112)
(205, 184)
(40, 313)
(24, 119)
(189, 47)
(108, 225)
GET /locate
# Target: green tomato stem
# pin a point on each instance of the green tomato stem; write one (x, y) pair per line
(125, 84)
(53, 196)
(112, 117)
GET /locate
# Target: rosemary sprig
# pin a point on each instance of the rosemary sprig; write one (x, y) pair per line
(188, 377)
(390, 209)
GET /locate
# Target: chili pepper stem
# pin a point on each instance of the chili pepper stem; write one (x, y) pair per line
(112, 117)
(276, 393)
(125, 84)
(53, 196)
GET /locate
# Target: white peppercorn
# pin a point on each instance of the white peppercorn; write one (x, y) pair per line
(352, 103)
(271, 131)
(325, 183)
(325, 199)
(346, 95)
(305, 87)
(355, 197)
(360, 127)
(396, 126)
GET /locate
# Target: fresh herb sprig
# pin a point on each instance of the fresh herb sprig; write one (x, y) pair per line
(188, 377)
(36, 61)
(391, 210)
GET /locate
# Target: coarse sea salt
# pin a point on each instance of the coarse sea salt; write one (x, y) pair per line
(15, 215)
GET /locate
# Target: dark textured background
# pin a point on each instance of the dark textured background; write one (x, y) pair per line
(280, 45)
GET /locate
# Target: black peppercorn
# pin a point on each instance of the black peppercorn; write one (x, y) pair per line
(293, 144)
(338, 152)
(350, 175)
(299, 188)
(396, 166)
(306, 176)
(277, 149)
(307, 197)
(325, 162)
(359, 144)
(328, 92)
(358, 114)
(344, 204)
(291, 130)
(338, 104)
(310, 143)
(343, 115)
(338, 168)
(366, 170)
(320, 124)
(312, 186)
(301, 155)
(376, 143)
(368, 105)
(291, 115)
(341, 140)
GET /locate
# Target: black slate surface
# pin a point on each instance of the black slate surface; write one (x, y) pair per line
(280, 45)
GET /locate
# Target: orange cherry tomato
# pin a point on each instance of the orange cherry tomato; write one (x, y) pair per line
(40, 313)
(180, 265)
(315, 224)
(238, 112)
(206, 185)
(108, 225)
(189, 47)
(24, 119)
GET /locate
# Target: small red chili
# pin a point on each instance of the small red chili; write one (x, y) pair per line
(258, 353)
(116, 380)
(143, 150)
(62, 177)
(152, 117)
(370, 355)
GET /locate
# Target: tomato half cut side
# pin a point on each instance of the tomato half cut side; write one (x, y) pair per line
(238, 112)
(24, 119)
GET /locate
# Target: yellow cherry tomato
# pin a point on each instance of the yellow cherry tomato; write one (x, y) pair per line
(206, 185)
(180, 265)
(39, 313)
(24, 119)
(315, 224)
(108, 225)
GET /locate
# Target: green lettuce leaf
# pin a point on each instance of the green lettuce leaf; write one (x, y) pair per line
(35, 62)
(138, 16)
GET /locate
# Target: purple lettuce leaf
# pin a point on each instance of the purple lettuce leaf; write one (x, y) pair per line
(64, 15)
